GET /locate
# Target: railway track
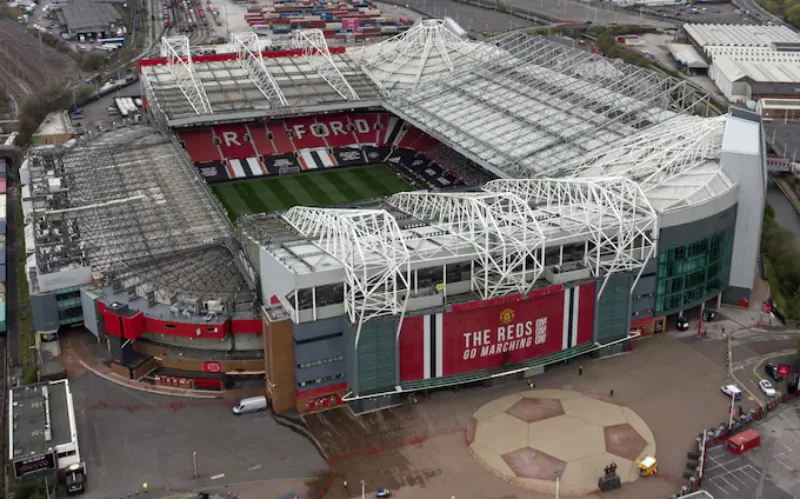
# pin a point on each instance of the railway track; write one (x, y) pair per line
(29, 65)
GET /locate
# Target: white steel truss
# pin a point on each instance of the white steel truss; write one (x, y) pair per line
(370, 246)
(428, 47)
(502, 229)
(248, 53)
(317, 55)
(613, 212)
(657, 155)
(179, 61)
(520, 105)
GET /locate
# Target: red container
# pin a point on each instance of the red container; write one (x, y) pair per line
(329, 34)
(744, 441)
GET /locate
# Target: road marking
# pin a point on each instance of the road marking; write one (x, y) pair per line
(253, 468)
(217, 477)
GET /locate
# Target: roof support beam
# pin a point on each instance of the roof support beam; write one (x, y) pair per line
(316, 53)
(373, 252)
(613, 212)
(249, 55)
(179, 61)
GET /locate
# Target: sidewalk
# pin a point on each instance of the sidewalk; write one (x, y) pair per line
(75, 351)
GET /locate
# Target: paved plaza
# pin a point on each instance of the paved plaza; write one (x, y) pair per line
(532, 437)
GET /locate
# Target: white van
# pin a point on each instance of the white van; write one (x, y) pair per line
(251, 404)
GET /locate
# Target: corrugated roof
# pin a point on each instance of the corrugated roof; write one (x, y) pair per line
(743, 35)
(763, 72)
(89, 16)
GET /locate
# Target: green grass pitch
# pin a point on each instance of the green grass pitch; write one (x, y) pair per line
(318, 188)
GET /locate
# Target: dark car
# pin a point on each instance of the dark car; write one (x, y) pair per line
(772, 371)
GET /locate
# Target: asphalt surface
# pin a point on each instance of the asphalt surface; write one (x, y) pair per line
(579, 12)
(470, 17)
(737, 477)
(754, 8)
(129, 437)
(785, 139)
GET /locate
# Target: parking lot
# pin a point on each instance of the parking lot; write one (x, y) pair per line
(737, 477)
(130, 437)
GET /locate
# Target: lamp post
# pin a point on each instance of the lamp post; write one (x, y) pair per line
(363, 489)
(730, 418)
(558, 483)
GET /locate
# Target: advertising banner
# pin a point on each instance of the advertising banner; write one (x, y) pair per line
(349, 156)
(211, 367)
(214, 172)
(783, 370)
(280, 162)
(504, 334)
(34, 464)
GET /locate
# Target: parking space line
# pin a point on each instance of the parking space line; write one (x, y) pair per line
(254, 468)
(217, 477)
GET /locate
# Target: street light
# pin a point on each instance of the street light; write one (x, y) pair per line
(363, 489)
(558, 483)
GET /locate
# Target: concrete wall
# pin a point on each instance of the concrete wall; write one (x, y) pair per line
(44, 309)
(89, 306)
(743, 159)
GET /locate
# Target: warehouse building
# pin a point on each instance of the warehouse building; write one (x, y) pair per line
(89, 19)
(748, 62)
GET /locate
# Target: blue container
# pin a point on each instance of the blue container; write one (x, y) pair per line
(3, 272)
(3, 169)
(2, 226)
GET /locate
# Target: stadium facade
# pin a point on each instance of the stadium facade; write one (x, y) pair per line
(565, 204)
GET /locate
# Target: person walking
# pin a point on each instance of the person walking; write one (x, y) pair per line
(580, 371)
(611, 394)
(344, 484)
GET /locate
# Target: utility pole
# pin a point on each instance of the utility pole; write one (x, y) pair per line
(765, 467)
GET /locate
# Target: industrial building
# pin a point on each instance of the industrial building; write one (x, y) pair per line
(89, 19)
(42, 433)
(749, 62)
(615, 203)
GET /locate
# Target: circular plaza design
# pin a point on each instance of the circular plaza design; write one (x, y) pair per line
(531, 437)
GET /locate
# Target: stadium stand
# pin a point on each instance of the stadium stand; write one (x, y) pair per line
(327, 141)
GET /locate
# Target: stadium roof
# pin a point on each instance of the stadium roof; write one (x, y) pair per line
(127, 204)
(610, 200)
(515, 104)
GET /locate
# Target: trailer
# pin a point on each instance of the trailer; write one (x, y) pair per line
(742, 442)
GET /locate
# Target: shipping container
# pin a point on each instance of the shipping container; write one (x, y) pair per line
(3, 326)
(2, 186)
(3, 272)
(744, 441)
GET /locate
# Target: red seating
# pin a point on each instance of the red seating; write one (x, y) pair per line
(283, 144)
(261, 141)
(234, 141)
(200, 145)
(305, 135)
(336, 128)
(425, 143)
(364, 127)
(410, 138)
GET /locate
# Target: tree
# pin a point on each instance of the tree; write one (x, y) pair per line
(793, 15)
(92, 61)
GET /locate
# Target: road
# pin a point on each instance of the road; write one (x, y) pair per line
(785, 214)
(753, 6)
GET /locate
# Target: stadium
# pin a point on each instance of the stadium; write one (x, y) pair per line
(356, 224)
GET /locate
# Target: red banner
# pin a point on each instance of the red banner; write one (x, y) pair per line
(766, 308)
(211, 367)
(783, 370)
(485, 338)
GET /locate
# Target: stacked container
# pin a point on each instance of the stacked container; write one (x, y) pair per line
(3, 218)
(346, 21)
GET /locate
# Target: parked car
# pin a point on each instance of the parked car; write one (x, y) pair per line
(251, 404)
(772, 371)
(732, 391)
(767, 388)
